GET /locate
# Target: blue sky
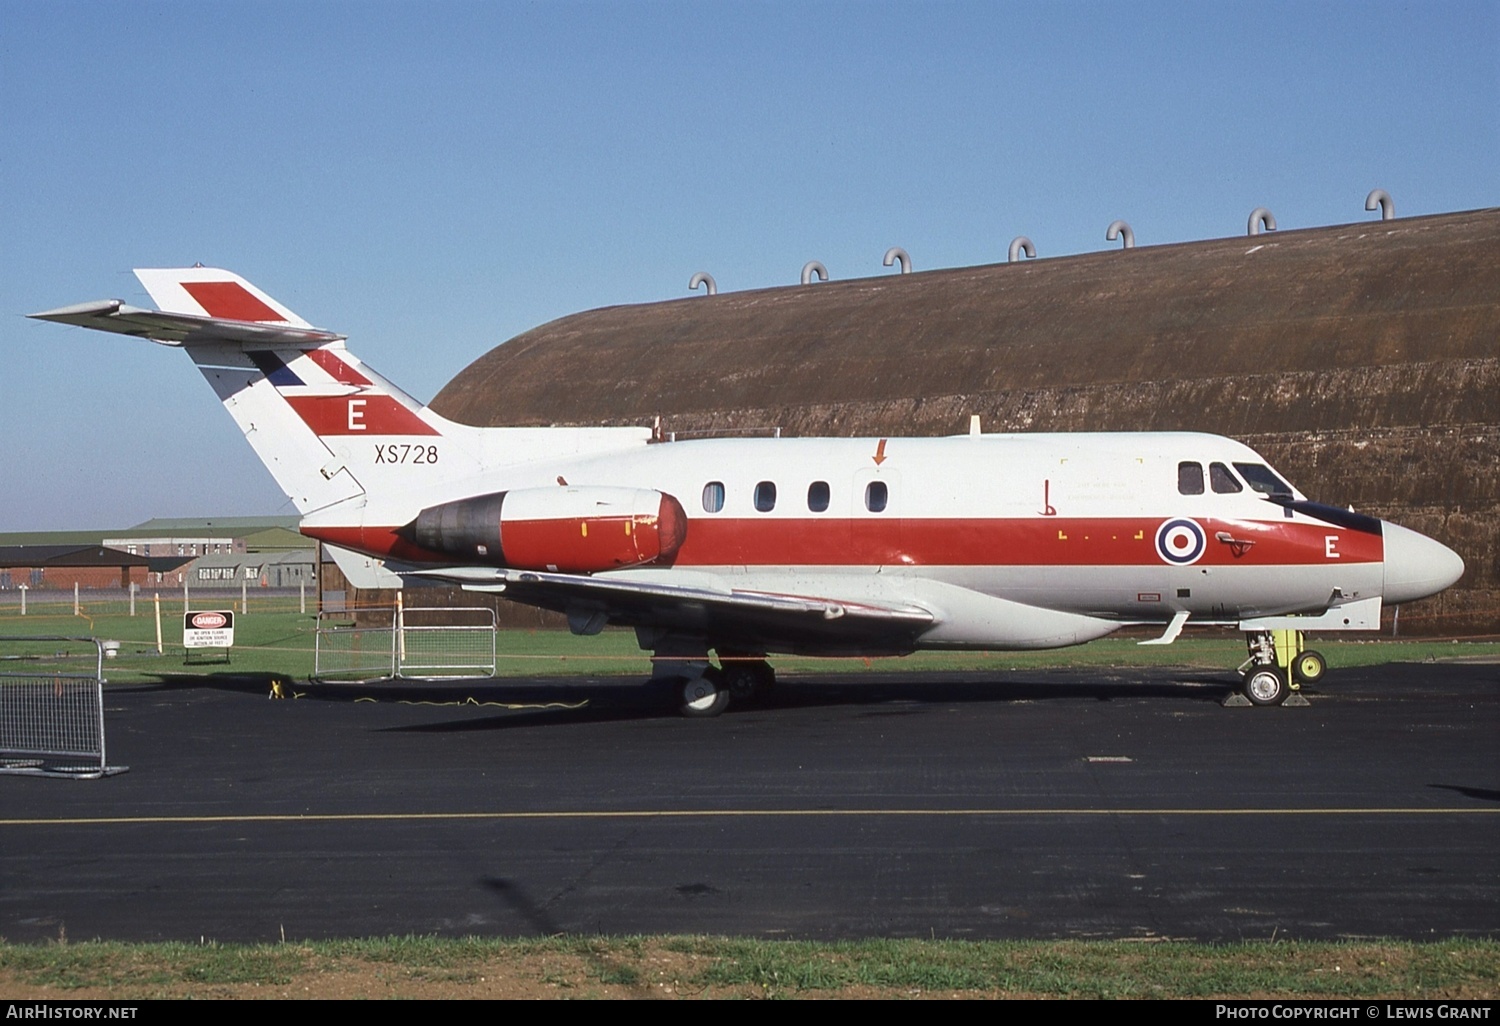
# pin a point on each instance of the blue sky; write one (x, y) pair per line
(433, 179)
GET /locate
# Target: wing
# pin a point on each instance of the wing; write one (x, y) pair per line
(702, 605)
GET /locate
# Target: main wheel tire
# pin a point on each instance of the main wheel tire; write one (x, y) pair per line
(765, 677)
(742, 682)
(1310, 667)
(702, 697)
(748, 680)
(1265, 685)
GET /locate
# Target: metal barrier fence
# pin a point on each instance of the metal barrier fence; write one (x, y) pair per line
(52, 711)
(462, 647)
(345, 651)
(409, 646)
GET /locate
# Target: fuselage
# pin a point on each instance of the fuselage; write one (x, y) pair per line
(1132, 527)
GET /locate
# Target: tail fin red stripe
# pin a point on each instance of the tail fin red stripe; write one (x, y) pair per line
(229, 300)
(338, 369)
(357, 415)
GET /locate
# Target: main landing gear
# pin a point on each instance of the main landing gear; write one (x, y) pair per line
(740, 680)
(701, 689)
(1278, 666)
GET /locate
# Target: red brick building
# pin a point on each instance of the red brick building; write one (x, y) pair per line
(60, 567)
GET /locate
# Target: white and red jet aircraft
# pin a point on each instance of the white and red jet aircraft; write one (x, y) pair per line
(743, 547)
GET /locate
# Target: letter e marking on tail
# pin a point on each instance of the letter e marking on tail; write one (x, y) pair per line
(356, 414)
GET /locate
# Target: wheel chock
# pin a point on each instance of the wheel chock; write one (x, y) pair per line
(1234, 700)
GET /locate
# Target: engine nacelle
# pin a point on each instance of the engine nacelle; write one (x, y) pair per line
(563, 529)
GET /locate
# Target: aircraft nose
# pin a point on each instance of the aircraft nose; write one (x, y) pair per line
(1415, 565)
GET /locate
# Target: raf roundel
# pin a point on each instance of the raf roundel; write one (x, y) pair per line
(1180, 541)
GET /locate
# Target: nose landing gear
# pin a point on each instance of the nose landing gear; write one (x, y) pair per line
(1278, 666)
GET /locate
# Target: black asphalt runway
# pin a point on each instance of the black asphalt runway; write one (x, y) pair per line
(1041, 804)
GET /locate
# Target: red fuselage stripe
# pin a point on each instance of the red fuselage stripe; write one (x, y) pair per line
(954, 542)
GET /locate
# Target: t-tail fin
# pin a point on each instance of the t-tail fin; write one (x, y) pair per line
(347, 446)
(318, 418)
(213, 293)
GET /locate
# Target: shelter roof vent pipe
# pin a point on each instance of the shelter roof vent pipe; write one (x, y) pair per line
(706, 280)
(811, 268)
(1021, 244)
(1118, 230)
(897, 255)
(1382, 199)
(1259, 217)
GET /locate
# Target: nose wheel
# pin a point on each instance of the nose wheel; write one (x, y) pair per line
(1265, 685)
(1310, 667)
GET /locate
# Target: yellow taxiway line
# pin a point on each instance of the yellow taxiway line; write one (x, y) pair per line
(404, 817)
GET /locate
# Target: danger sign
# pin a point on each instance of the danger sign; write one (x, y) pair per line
(208, 629)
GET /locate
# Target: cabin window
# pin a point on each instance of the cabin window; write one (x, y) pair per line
(765, 496)
(817, 496)
(1263, 479)
(1222, 480)
(876, 496)
(1190, 479)
(713, 496)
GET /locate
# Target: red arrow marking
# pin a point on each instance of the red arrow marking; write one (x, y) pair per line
(879, 456)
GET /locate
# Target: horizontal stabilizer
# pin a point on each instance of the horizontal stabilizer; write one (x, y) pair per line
(176, 329)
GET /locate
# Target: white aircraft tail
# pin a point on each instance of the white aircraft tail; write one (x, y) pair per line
(316, 416)
(347, 446)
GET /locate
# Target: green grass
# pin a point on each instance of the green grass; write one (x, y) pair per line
(109, 965)
(710, 966)
(273, 638)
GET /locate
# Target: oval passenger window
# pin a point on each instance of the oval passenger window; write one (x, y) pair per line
(817, 496)
(765, 496)
(713, 496)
